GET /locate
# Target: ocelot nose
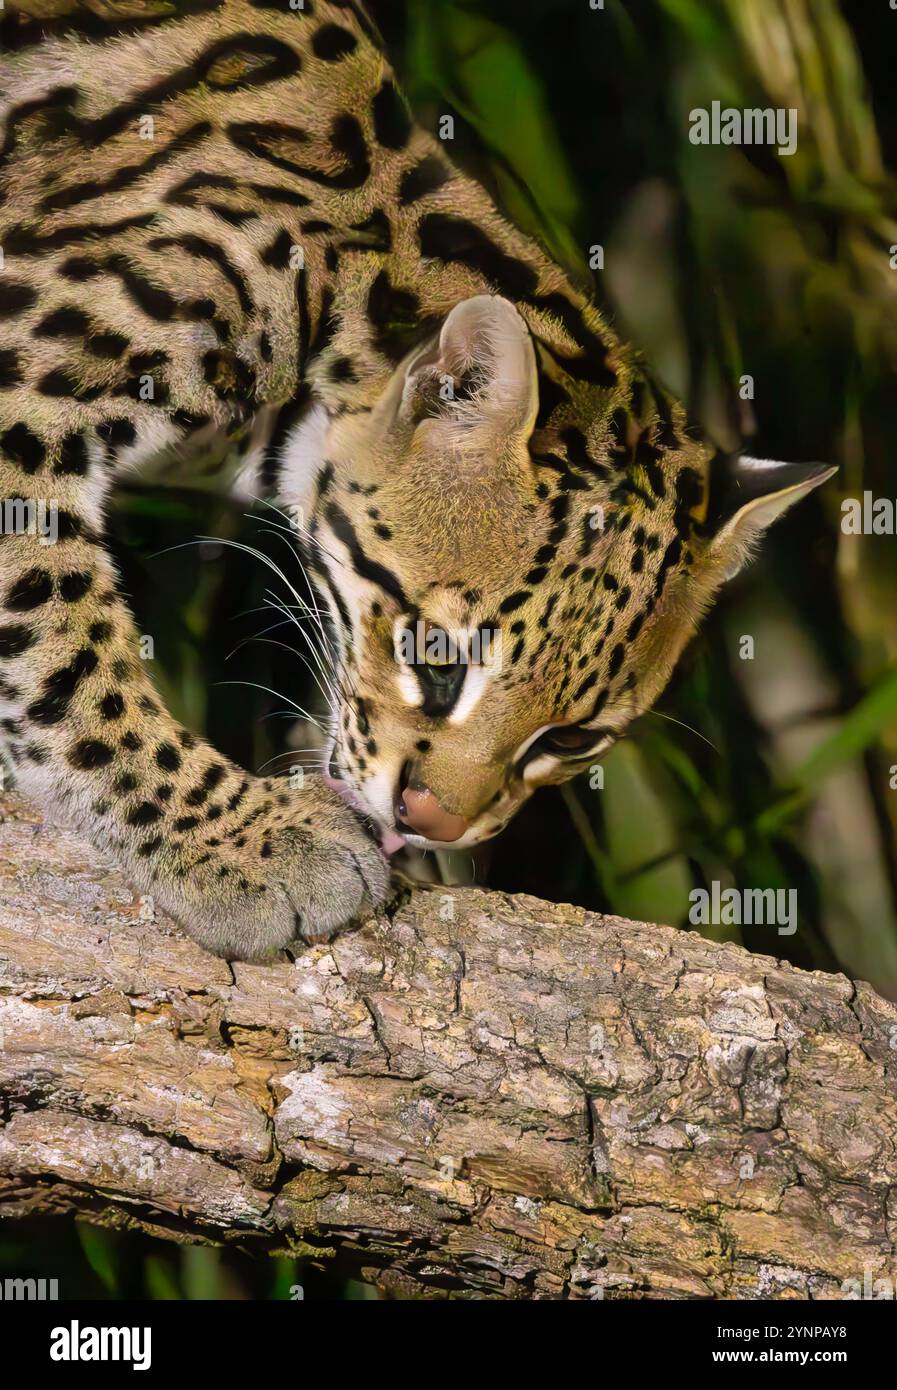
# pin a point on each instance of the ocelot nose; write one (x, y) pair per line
(422, 813)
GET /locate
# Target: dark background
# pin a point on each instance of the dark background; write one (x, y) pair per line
(719, 262)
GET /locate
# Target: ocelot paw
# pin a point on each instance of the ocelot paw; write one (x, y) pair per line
(298, 873)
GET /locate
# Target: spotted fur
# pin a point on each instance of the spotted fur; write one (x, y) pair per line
(225, 237)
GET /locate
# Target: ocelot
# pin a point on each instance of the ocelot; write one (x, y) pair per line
(225, 237)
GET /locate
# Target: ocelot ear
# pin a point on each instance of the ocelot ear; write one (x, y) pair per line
(478, 380)
(748, 495)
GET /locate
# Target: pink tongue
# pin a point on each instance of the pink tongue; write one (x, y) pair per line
(390, 842)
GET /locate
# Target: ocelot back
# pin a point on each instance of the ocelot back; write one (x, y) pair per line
(223, 233)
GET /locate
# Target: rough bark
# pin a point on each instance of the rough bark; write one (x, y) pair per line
(478, 1094)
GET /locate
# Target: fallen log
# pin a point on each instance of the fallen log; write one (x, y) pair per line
(475, 1095)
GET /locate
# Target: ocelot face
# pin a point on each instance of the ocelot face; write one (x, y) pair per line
(507, 602)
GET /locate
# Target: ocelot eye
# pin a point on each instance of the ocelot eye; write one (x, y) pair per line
(438, 674)
(569, 739)
(440, 684)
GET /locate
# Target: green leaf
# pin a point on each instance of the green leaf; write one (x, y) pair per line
(160, 1282)
(100, 1249)
(858, 731)
(484, 71)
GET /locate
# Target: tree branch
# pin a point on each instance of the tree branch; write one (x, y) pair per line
(479, 1094)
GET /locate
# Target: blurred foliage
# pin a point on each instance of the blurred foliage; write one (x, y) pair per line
(719, 261)
(97, 1263)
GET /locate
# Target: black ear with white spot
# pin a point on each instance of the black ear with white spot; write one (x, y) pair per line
(479, 378)
(749, 496)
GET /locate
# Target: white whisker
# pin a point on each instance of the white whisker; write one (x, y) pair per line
(280, 696)
(682, 724)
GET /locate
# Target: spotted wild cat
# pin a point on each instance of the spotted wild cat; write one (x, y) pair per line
(224, 236)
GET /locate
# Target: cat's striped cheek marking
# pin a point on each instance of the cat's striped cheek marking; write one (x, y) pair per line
(409, 687)
(407, 682)
(475, 682)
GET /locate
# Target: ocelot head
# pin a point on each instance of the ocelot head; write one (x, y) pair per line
(507, 599)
